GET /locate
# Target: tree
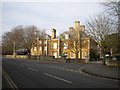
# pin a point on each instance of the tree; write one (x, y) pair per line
(99, 28)
(114, 45)
(93, 55)
(39, 41)
(112, 7)
(21, 38)
(7, 46)
(29, 36)
(74, 43)
(12, 40)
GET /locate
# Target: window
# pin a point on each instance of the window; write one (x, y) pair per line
(35, 48)
(65, 45)
(71, 55)
(40, 48)
(66, 36)
(55, 45)
(45, 42)
(40, 42)
(45, 48)
(83, 55)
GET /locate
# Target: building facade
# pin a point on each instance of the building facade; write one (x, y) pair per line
(60, 45)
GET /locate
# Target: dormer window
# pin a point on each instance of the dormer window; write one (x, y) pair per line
(35, 48)
(45, 42)
(65, 45)
(66, 36)
(40, 42)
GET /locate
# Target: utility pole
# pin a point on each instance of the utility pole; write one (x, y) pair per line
(14, 51)
(37, 44)
(80, 45)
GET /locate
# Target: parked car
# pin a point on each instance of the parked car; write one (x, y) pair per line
(107, 54)
(118, 57)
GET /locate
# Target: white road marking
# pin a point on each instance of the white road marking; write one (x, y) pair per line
(58, 78)
(32, 69)
(65, 69)
(9, 80)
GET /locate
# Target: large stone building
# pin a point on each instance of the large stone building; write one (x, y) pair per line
(59, 45)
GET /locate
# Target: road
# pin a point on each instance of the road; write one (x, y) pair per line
(22, 73)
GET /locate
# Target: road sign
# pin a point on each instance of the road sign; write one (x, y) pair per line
(62, 54)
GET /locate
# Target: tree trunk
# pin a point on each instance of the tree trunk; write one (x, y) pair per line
(76, 57)
(104, 58)
(29, 53)
(80, 54)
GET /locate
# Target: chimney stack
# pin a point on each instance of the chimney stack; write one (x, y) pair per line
(82, 27)
(53, 34)
(77, 25)
(71, 29)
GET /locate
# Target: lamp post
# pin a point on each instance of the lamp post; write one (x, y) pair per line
(14, 51)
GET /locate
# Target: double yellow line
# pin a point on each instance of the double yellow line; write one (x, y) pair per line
(9, 80)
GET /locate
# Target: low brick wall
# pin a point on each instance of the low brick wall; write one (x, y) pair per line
(46, 58)
(43, 57)
(17, 56)
(21, 56)
(9, 56)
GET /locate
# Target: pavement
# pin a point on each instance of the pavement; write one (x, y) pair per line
(100, 70)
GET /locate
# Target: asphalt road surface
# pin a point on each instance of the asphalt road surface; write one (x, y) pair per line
(21, 73)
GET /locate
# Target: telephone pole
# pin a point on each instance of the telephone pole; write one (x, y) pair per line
(14, 51)
(80, 46)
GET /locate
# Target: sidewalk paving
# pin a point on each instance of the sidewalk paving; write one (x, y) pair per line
(100, 70)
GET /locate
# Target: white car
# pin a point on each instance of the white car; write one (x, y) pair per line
(107, 55)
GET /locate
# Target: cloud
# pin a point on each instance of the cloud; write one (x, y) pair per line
(46, 15)
(53, 0)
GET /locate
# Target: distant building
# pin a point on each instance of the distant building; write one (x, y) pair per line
(57, 45)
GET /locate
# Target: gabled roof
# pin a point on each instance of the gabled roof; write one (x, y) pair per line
(62, 36)
(44, 37)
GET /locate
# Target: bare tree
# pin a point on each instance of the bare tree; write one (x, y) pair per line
(112, 7)
(12, 40)
(7, 46)
(21, 38)
(74, 43)
(99, 28)
(29, 36)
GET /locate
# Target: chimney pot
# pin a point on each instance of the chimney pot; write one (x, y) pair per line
(77, 25)
(53, 34)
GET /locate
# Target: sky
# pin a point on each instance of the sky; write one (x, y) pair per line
(47, 15)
